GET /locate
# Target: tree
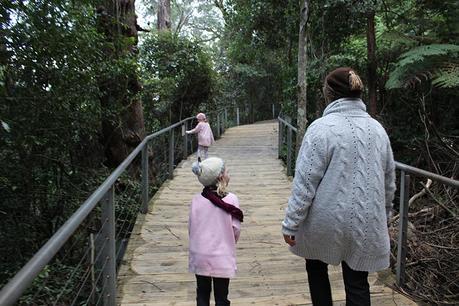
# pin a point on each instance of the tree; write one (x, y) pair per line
(123, 124)
(164, 15)
(178, 78)
(302, 83)
(371, 54)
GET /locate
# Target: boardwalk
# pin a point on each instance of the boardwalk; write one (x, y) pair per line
(155, 271)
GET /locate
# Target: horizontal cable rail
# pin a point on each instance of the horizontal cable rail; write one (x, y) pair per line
(285, 135)
(96, 267)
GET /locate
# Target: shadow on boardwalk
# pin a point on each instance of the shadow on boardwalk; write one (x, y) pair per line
(155, 271)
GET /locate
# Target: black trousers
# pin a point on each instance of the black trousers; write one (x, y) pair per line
(355, 284)
(205, 287)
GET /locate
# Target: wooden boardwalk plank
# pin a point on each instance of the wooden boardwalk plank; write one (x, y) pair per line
(155, 268)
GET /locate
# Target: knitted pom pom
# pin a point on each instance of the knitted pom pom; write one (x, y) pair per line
(196, 168)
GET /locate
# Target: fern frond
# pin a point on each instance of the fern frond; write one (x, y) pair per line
(398, 39)
(428, 62)
(447, 77)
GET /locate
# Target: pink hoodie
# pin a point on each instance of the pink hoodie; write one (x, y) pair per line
(205, 135)
(213, 234)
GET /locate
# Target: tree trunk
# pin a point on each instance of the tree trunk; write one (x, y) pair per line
(371, 49)
(164, 15)
(122, 123)
(302, 84)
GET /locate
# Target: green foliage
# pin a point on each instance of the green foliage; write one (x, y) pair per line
(439, 62)
(52, 57)
(177, 76)
(447, 77)
(55, 64)
(260, 43)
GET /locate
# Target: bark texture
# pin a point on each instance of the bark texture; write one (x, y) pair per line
(164, 15)
(302, 120)
(122, 112)
(371, 51)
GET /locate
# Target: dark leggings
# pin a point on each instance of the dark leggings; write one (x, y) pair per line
(355, 284)
(205, 287)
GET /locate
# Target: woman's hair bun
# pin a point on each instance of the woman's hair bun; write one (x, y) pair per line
(355, 83)
(196, 168)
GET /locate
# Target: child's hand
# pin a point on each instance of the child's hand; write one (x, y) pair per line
(290, 240)
(188, 132)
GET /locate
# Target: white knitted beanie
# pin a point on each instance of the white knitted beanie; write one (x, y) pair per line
(208, 170)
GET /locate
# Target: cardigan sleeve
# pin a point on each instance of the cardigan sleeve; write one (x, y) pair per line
(389, 180)
(311, 164)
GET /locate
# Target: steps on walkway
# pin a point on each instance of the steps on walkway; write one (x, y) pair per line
(155, 270)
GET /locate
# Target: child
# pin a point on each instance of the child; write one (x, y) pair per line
(213, 227)
(205, 135)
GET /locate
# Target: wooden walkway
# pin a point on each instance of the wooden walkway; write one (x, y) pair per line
(155, 271)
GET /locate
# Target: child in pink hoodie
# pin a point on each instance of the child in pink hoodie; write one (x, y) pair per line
(214, 226)
(205, 135)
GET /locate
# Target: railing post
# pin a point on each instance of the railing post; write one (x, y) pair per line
(191, 138)
(223, 122)
(279, 145)
(218, 125)
(145, 199)
(403, 227)
(109, 250)
(289, 151)
(274, 113)
(226, 118)
(171, 153)
(185, 141)
(237, 115)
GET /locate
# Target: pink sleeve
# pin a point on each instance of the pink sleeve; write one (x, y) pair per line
(197, 129)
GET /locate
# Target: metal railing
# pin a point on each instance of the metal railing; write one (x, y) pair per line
(96, 266)
(285, 132)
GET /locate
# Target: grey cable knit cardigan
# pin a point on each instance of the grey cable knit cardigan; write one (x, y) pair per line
(343, 189)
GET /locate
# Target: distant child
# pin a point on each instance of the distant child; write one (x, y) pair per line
(214, 226)
(205, 136)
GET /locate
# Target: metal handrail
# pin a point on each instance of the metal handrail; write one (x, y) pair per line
(16, 286)
(287, 124)
(404, 193)
(167, 129)
(419, 172)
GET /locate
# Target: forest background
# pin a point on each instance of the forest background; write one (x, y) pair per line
(81, 84)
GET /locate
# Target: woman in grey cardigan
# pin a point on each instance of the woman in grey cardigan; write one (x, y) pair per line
(342, 193)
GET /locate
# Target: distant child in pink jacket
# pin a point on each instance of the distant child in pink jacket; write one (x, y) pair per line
(214, 226)
(205, 135)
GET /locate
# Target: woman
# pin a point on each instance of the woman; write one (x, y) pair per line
(342, 193)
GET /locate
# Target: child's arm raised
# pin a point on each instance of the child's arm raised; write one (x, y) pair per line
(197, 129)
